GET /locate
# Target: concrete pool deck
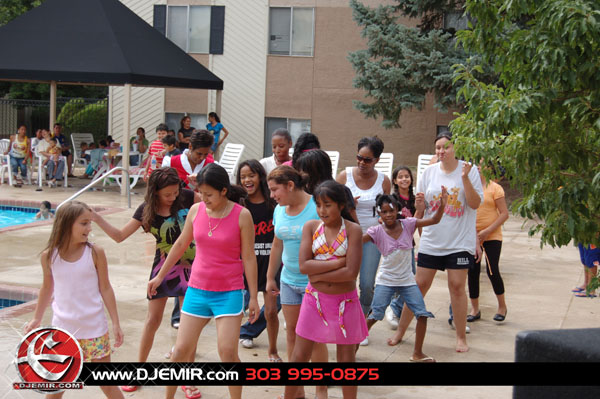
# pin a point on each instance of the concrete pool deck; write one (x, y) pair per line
(538, 293)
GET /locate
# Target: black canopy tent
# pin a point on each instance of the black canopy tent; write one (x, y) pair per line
(96, 42)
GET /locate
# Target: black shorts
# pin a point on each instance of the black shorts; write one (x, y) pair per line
(66, 153)
(457, 260)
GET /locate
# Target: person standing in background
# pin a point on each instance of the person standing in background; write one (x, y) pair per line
(185, 132)
(215, 126)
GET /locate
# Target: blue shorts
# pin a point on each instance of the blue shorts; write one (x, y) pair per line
(589, 257)
(291, 294)
(207, 304)
(410, 294)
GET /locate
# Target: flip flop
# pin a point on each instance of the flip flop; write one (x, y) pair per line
(169, 353)
(583, 294)
(275, 359)
(129, 388)
(423, 360)
(578, 289)
(187, 390)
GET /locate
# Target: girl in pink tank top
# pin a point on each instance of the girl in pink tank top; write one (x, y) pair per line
(224, 235)
(76, 282)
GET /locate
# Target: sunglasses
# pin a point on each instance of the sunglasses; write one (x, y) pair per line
(364, 159)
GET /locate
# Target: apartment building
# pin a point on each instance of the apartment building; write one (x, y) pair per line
(284, 64)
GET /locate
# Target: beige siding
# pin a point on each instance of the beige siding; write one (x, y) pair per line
(147, 104)
(242, 66)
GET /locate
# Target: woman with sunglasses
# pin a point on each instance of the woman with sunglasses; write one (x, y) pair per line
(366, 183)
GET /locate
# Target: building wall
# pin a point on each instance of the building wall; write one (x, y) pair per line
(147, 104)
(320, 88)
(258, 85)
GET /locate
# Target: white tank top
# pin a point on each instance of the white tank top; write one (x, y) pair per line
(77, 304)
(366, 202)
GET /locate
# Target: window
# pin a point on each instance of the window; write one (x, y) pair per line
(173, 120)
(291, 31)
(295, 126)
(195, 29)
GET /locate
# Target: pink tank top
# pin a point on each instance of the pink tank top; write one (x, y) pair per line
(218, 265)
(77, 304)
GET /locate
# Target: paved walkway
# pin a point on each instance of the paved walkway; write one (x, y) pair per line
(538, 291)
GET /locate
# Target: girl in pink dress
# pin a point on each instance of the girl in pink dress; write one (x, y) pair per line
(330, 253)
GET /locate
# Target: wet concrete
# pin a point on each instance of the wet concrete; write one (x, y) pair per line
(538, 293)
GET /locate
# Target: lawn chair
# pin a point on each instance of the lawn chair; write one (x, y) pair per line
(422, 164)
(77, 139)
(38, 159)
(231, 158)
(5, 161)
(135, 174)
(385, 164)
(334, 156)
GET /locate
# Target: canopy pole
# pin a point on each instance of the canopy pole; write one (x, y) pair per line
(218, 105)
(52, 105)
(125, 142)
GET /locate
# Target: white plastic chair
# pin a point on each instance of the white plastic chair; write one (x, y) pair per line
(422, 164)
(334, 156)
(385, 164)
(38, 159)
(5, 161)
(230, 158)
(76, 140)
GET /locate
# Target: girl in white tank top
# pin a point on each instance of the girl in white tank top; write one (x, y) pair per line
(76, 282)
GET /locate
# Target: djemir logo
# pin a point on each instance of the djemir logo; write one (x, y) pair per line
(49, 360)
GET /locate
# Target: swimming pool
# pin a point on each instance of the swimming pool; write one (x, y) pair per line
(16, 215)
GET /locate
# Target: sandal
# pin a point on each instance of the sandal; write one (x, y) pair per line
(426, 359)
(191, 392)
(583, 294)
(578, 289)
(275, 359)
(169, 353)
(129, 388)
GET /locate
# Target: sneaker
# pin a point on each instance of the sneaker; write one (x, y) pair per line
(451, 323)
(391, 318)
(365, 342)
(247, 343)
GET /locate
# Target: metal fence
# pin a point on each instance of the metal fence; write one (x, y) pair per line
(77, 115)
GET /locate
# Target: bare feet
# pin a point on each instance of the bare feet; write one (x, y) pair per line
(395, 339)
(461, 346)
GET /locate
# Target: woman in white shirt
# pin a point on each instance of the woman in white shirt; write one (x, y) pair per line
(366, 183)
(452, 244)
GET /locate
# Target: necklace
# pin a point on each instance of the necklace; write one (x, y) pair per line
(210, 228)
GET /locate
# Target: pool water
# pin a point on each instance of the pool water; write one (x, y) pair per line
(6, 303)
(16, 215)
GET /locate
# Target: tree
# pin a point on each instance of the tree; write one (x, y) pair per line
(541, 121)
(402, 64)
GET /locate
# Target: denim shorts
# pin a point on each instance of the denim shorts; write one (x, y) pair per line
(291, 294)
(410, 294)
(207, 304)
